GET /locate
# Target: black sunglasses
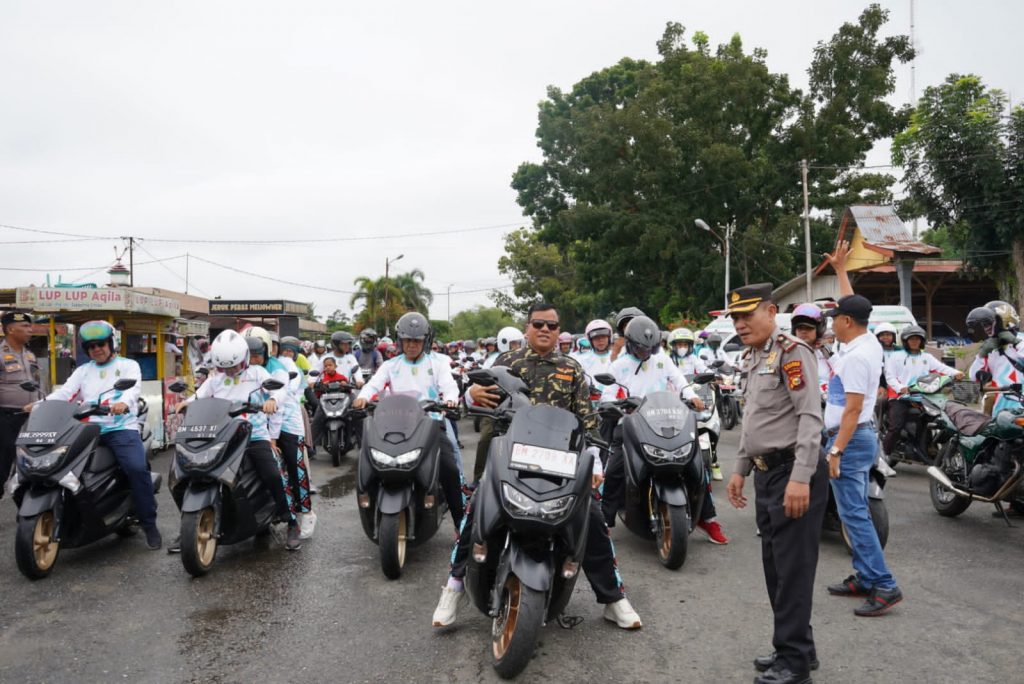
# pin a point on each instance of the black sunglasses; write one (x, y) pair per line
(552, 325)
(94, 345)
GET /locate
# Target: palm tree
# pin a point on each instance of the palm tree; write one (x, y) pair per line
(415, 297)
(374, 294)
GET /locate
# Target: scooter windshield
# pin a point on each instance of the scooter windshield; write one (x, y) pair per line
(665, 413)
(48, 420)
(397, 415)
(204, 418)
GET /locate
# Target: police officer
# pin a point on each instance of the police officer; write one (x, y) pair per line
(781, 438)
(17, 365)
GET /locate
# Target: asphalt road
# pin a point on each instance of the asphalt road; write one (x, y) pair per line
(115, 611)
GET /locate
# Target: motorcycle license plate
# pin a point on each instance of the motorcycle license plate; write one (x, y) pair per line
(198, 431)
(544, 460)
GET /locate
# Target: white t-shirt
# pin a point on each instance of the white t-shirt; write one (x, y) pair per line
(655, 374)
(242, 387)
(90, 380)
(903, 370)
(430, 377)
(856, 368)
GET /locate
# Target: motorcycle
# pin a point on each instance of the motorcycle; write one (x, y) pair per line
(983, 461)
(219, 492)
(400, 501)
(530, 530)
(69, 490)
(667, 472)
(923, 433)
(335, 400)
(145, 433)
(727, 388)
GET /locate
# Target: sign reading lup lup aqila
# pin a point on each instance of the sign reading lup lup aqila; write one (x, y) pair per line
(95, 299)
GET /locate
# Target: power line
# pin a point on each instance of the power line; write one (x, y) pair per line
(94, 269)
(168, 268)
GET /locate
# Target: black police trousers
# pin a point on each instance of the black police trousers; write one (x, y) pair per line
(789, 554)
(11, 421)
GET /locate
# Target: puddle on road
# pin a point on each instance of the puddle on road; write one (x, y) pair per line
(339, 486)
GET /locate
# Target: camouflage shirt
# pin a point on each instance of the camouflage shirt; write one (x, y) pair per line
(554, 379)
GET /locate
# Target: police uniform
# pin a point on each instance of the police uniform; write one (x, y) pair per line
(16, 367)
(781, 441)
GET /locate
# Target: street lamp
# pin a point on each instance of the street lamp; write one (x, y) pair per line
(387, 289)
(450, 303)
(700, 223)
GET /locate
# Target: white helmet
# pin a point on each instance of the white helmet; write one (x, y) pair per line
(508, 335)
(598, 327)
(228, 350)
(259, 333)
(885, 328)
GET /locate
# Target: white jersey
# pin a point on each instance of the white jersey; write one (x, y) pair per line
(429, 377)
(90, 380)
(489, 361)
(595, 364)
(292, 411)
(691, 364)
(243, 387)
(903, 369)
(653, 375)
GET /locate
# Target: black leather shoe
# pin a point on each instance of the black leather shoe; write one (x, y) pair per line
(851, 586)
(879, 602)
(153, 539)
(762, 663)
(780, 674)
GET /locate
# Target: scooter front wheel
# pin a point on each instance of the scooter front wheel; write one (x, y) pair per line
(334, 447)
(35, 550)
(392, 538)
(516, 628)
(729, 414)
(198, 541)
(673, 534)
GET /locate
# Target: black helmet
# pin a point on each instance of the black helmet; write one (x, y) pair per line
(642, 337)
(368, 339)
(625, 316)
(257, 346)
(913, 331)
(340, 337)
(413, 326)
(714, 340)
(983, 323)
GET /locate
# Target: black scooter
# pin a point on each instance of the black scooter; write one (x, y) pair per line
(220, 493)
(530, 529)
(69, 490)
(335, 400)
(667, 474)
(400, 501)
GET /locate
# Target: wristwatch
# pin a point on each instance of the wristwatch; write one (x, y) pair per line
(835, 451)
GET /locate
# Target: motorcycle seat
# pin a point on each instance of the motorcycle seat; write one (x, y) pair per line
(966, 420)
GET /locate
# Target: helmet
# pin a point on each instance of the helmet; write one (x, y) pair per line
(229, 349)
(565, 337)
(274, 337)
(598, 327)
(1005, 311)
(983, 323)
(490, 341)
(583, 343)
(98, 331)
(913, 331)
(703, 334)
(714, 340)
(808, 314)
(413, 326)
(320, 344)
(387, 340)
(367, 339)
(340, 337)
(681, 335)
(469, 346)
(293, 343)
(642, 337)
(261, 334)
(624, 316)
(307, 347)
(256, 346)
(508, 335)
(885, 328)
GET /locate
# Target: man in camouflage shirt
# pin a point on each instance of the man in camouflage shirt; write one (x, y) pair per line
(557, 380)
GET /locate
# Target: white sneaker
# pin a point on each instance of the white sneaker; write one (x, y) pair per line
(622, 614)
(716, 473)
(307, 523)
(447, 607)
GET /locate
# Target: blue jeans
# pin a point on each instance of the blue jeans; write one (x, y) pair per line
(126, 445)
(851, 492)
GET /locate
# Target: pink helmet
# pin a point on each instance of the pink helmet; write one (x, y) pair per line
(565, 337)
(598, 327)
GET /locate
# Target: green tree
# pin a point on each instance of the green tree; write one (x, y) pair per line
(415, 296)
(637, 151)
(381, 300)
(481, 321)
(963, 155)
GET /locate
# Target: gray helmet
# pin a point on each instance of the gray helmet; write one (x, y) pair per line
(293, 343)
(340, 337)
(911, 331)
(413, 326)
(642, 337)
(258, 346)
(623, 317)
(714, 340)
(469, 345)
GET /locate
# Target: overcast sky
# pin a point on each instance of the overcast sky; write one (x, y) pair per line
(272, 120)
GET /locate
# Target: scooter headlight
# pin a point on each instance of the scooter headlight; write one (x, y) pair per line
(41, 462)
(390, 461)
(203, 458)
(551, 510)
(659, 454)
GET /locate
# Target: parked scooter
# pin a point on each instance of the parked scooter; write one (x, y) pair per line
(530, 530)
(727, 386)
(924, 434)
(144, 431)
(69, 490)
(400, 501)
(667, 473)
(335, 400)
(220, 493)
(983, 461)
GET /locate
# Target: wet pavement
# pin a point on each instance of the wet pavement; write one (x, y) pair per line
(115, 611)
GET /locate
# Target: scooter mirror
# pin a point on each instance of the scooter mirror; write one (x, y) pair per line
(703, 378)
(292, 375)
(177, 387)
(29, 386)
(314, 373)
(124, 383)
(605, 378)
(272, 385)
(482, 376)
(718, 363)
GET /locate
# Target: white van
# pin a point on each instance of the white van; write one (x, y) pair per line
(897, 316)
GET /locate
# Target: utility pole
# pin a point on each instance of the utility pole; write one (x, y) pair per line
(807, 230)
(913, 78)
(131, 261)
(186, 272)
(450, 303)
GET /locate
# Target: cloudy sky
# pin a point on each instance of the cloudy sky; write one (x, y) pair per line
(264, 121)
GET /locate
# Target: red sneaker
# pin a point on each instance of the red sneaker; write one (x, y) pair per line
(714, 531)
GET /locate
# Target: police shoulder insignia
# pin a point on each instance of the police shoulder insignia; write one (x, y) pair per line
(787, 343)
(794, 374)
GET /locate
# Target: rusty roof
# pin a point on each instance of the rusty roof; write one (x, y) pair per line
(881, 227)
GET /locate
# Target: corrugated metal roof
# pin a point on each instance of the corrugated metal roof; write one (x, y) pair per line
(881, 227)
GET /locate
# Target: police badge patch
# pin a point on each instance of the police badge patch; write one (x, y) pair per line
(794, 374)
